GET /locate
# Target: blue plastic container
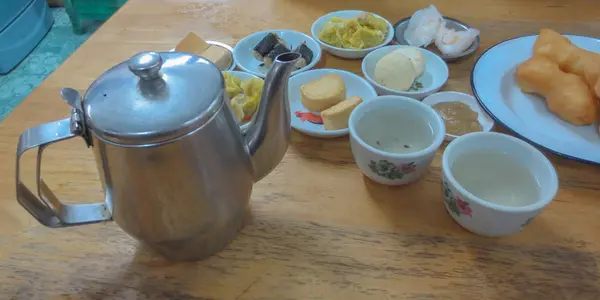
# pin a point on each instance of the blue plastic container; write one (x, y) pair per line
(23, 24)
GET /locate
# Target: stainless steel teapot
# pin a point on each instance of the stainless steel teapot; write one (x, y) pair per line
(175, 167)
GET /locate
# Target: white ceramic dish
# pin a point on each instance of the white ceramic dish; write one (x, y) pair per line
(243, 76)
(242, 52)
(494, 86)
(487, 218)
(455, 24)
(433, 79)
(486, 122)
(233, 65)
(319, 24)
(376, 123)
(355, 86)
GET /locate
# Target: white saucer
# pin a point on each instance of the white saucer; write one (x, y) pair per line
(355, 86)
(486, 122)
(245, 60)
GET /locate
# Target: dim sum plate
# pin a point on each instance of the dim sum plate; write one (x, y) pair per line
(245, 60)
(355, 86)
(494, 85)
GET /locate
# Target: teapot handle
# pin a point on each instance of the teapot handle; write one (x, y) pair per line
(46, 208)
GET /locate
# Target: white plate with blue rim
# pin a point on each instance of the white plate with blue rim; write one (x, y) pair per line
(243, 52)
(494, 85)
(307, 122)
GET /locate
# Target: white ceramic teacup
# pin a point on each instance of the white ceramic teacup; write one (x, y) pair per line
(395, 138)
(506, 201)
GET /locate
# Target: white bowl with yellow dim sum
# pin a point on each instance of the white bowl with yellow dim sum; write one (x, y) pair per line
(242, 84)
(379, 30)
(494, 84)
(421, 82)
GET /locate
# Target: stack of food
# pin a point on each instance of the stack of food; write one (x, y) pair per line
(219, 55)
(327, 96)
(567, 76)
(272, 45)
(244, 95)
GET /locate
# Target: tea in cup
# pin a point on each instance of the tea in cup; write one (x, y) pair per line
(495, 184)
(394, 138)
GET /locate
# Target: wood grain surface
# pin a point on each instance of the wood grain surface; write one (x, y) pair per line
(318, 229)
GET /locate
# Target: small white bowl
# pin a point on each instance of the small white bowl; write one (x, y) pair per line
(243, 76)
(393, 121)
(486, 122)
(319, 24)
(487, 218)
(435, 75)
(245, 60)
(355, 86)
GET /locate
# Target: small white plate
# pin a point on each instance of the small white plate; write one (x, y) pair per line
(242, 52)
(494, 86)
(319, 24)
(435, 75)
(486, 122)
(243, 76)
(355, 86)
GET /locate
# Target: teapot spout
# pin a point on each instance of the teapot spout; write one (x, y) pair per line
(268, 136)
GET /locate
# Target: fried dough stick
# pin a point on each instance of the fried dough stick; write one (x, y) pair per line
(569, 57)
(567, 95)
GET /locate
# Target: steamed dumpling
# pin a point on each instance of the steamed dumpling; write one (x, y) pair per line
(395, 71)
(423, 26)
(416, 57)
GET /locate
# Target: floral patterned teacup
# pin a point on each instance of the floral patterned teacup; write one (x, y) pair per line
(395, 138)
(494, 218)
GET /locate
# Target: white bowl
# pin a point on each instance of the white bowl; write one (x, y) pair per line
(435, 75)
(245, 60)
(355, 86)
(486, 122)
(492, 218)
(319, 24)
(243, 76)
(381, 123)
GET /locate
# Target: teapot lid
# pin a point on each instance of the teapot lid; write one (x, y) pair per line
(153, 97)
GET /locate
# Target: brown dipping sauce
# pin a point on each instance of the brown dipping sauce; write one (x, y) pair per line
(459, 117)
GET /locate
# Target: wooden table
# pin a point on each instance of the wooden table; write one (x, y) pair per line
(320, 230)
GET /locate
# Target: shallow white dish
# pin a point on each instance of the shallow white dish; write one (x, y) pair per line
(347, 53)
(435, 75)
(483, 118)
(355, 86)
(243, 76)
(496, 89)
(242, 52)
(233, 65)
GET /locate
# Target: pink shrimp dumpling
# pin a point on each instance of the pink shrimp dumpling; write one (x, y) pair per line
(452, 42)
(423, 26)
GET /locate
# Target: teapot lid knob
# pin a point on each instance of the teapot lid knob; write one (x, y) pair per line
(146, 65)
